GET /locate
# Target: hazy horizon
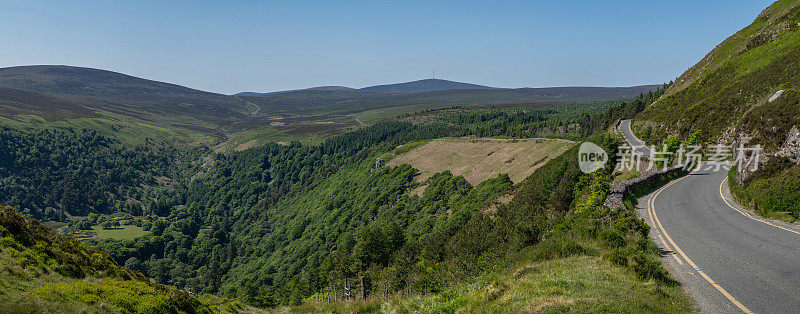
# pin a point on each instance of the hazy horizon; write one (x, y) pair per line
(263, 47)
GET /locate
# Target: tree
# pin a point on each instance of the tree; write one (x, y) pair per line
(110, 224)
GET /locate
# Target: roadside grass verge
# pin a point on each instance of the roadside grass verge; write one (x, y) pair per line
(771, 193)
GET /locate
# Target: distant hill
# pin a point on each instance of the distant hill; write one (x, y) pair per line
(331, 88)
(69, 80)
(420, 86)
(119, 92)
(437, 85)
(133, 109)
(323, 101)
(119, 105)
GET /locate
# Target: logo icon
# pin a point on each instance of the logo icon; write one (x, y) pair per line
(591, 157)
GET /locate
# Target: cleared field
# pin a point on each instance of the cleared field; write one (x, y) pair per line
(478, 159)
(123, 233)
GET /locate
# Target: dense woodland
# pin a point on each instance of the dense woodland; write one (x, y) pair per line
(49, 174)
(275, 211)
(281, 223)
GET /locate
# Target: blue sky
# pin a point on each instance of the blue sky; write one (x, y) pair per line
(232, 46)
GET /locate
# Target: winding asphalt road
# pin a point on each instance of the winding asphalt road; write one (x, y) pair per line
(729, 259)
(633, 141)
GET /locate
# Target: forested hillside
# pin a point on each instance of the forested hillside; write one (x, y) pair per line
(85, 172)
(277, 224)
(272, 208)
(282, 223)
(49, 174)
(46, 272)
(554, 227)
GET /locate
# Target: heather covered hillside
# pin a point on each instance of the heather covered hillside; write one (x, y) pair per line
(745, 91)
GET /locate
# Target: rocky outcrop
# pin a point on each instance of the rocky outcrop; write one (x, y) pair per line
(776, 96)
(791, 148)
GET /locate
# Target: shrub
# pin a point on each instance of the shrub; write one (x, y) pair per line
(648, 266)
(619, 256)
(612, 238)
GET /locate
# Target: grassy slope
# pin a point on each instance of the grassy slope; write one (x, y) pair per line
(577, 283)
(128, 108)
(725, 97)
(773, 194)
(122, 233)
(123, 94)
(41, 271)
(128, 130)
(725, 89)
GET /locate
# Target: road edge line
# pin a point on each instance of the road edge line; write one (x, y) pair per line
(688, 260)
(746, 214)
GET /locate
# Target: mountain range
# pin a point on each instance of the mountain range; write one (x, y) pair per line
(134, 108)
(420, 86)
(330, 227)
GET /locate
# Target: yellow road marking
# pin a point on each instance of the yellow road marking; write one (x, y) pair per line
(652, 210)
(660, 237)
(746, 214)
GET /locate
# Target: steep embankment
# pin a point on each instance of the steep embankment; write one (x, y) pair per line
(727, 94)
(745, 91)
(41, 271)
